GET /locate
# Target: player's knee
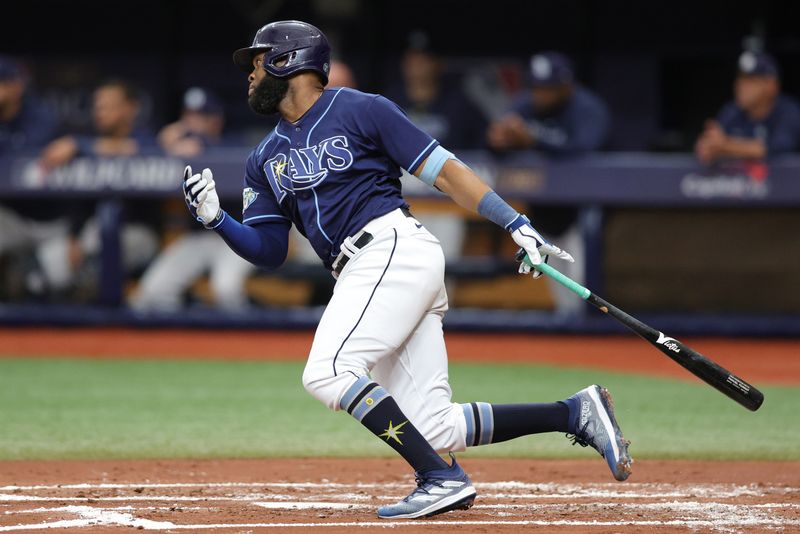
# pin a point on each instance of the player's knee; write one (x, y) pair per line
(324, 386)
(445, 431)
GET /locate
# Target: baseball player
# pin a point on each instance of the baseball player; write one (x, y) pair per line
(331, 168)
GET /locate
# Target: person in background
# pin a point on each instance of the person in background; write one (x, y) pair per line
(199, 127)
(759, 122)
(115, 109)
(165, 284)
(69, 263)
(438, 105)
(558, 118)
(341, 75)
(434, 104)
(26, 124)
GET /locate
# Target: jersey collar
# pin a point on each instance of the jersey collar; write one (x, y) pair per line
(308, 119)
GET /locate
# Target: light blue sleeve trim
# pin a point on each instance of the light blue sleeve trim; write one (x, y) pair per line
(413, 165)
(257, 217)
(433, 166)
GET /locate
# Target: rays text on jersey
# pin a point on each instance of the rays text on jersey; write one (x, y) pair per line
(306, 168)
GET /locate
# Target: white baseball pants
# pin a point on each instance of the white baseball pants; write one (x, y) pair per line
(385, 320)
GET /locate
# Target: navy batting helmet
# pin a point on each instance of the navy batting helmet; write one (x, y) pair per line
(302, 45)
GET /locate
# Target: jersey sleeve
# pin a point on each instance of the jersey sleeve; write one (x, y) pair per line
(400, 139)
(259, 204)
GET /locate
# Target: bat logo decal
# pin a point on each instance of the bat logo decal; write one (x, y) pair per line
(670, 343)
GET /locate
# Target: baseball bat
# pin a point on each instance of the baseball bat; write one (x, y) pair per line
(691, 360)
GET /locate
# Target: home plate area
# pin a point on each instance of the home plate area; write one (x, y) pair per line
(338, 505)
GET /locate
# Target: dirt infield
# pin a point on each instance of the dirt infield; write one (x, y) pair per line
(757, 360)
(341, 496)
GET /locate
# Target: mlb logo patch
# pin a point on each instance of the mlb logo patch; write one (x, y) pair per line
(248, 197)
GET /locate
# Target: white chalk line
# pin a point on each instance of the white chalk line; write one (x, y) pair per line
(536, 497)
(122, 521)
(734, 514)
(326, 505)
(541, 491)
(751, 489)
(115, 508)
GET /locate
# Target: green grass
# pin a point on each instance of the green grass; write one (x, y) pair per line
(160, 409)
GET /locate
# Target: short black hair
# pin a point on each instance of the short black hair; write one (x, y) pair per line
(129, 91)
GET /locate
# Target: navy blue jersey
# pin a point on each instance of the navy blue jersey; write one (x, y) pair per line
(780, 131)
(581, 126)
(335, 169)
(33, 127)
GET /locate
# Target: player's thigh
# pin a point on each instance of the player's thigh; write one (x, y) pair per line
(379, 300)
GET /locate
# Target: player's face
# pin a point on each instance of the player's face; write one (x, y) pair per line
(112, 112)
(257, 73)
(550, 99)
(752, 91)
(265, 91)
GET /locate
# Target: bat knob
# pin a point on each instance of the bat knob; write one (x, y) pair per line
(520, 255)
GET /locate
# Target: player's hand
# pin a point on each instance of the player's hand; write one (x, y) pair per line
(201, 196)
(537, 248)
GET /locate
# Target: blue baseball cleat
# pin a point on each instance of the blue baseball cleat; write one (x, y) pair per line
(591, 418)
(437, 492)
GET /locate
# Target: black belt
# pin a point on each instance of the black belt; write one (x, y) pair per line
(360, 243)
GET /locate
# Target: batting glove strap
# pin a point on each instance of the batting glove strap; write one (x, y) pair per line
(216, 221)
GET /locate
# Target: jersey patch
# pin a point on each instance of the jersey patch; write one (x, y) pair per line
(249, 196)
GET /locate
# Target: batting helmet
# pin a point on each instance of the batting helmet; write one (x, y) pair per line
(302, 45)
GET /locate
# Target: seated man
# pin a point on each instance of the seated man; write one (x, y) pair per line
(199, 127)
(437, 107)
(66, 260)
(167, 280)
(557, 117)
(115, 108)
(24, 122)
(759, 122)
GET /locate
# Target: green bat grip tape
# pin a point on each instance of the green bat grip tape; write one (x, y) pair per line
(564, 280)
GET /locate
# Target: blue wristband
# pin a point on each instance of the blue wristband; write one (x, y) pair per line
(499, 212)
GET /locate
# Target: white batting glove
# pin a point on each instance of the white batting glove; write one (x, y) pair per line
(537, 248)
(201, 196)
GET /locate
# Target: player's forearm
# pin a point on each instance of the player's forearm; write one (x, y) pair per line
(264, 245)
(461, 184)
(737, 147)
